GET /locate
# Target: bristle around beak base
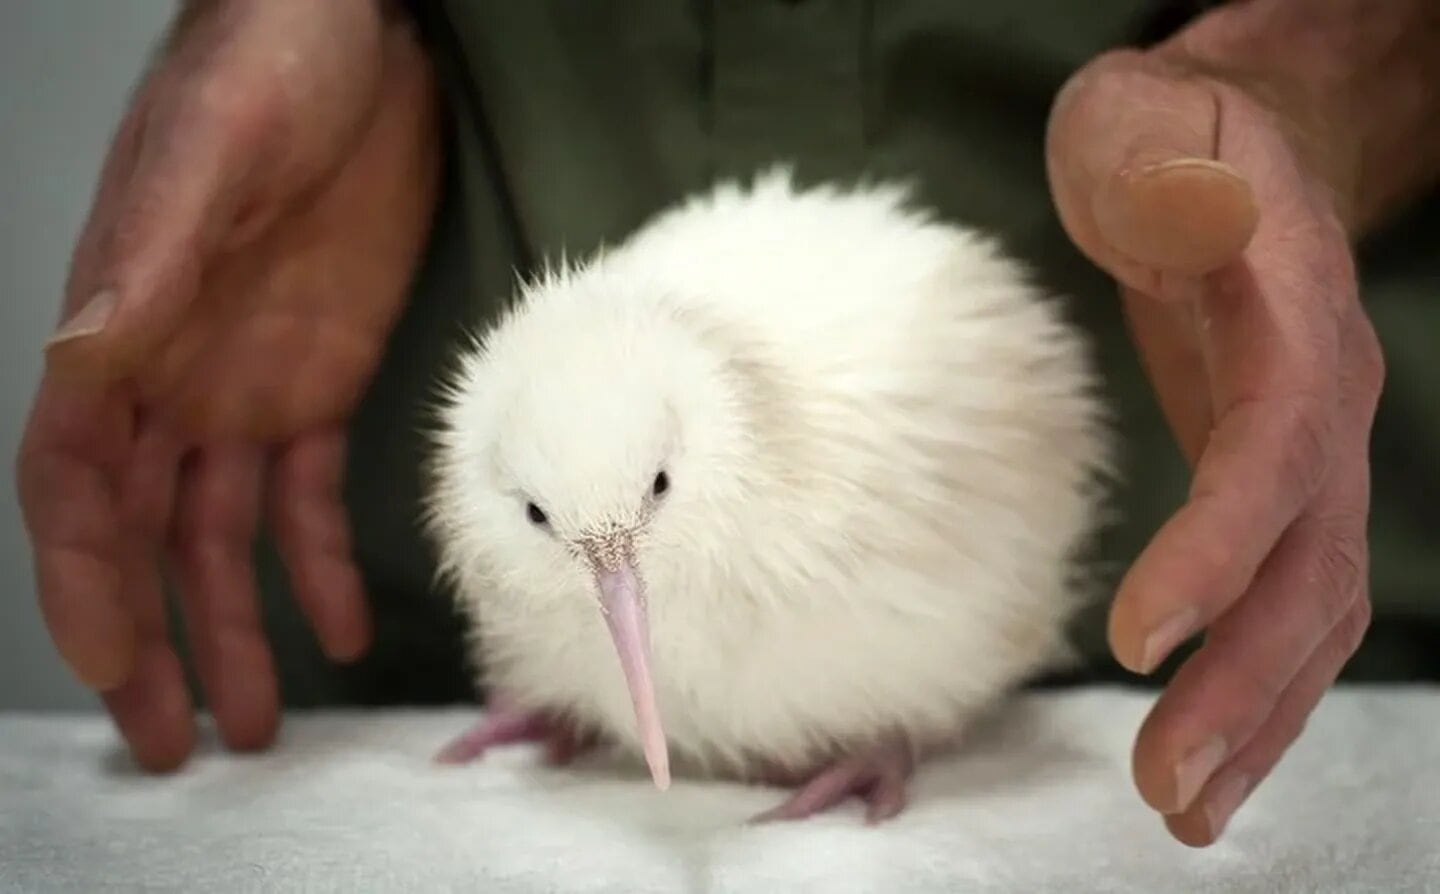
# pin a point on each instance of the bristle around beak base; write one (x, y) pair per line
(622, 601)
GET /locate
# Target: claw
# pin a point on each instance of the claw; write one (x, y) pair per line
(504, 724)
(879, 777)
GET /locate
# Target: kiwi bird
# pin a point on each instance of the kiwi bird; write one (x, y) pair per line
(786, 487)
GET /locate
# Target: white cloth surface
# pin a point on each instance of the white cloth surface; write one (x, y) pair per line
(1039, 800)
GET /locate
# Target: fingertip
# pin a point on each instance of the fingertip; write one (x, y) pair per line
(244, 691)
(1162, 765)
(1124, 637)
(152, 710)
(1183, 215)
(1126, 629)
(253, 733)
(1154, 780)
(315, 543)
(351, 645)
(1191, 829)
(168, 755)
(1204, 822)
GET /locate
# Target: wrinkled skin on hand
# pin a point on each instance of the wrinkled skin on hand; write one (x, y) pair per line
(258, 220)
(1239, 286)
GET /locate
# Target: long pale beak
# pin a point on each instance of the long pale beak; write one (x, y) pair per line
(622, 600)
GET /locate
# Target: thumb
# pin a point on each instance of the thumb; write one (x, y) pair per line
(1132, 154)
(149, 236)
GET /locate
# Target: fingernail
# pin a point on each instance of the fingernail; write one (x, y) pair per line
(1165, 636)
(89, 321)
(1195, 770)
(1190, 164)
(1226, 799)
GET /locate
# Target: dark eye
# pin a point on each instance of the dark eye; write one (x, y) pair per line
(662, 484)
(536, 515)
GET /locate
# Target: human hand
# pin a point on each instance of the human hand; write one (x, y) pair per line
(1203, 197)
(258, 219)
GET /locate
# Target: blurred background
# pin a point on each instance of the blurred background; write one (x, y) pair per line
(67, 67)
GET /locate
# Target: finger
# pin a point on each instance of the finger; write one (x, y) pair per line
(152, 708)
(1227, 690)
(1205, 820)
(67, 465)
(313, 537)
(1269, 331)
(212, 545)
(1131, 157)
(1301, 609)
(94, 493)
(1261, 464)
(147, 247)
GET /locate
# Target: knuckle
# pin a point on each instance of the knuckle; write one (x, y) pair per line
(1255, 690)
(23, 475)
(36, 484)
(1305, 428)
(1331, 274)
(1249, 682)
(1343, 554)
(1265, 675)
(142, 206)
(1341, 569)
(1350, 631)
(232, 104)
(1367, 359)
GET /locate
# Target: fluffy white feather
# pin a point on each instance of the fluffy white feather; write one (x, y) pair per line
(884, 449)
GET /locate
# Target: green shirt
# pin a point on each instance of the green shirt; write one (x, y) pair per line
(573, 122)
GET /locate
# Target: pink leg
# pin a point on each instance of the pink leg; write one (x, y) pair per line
(879, 777)
(505, 724)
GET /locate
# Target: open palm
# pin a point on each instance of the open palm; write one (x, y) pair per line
(255, 229)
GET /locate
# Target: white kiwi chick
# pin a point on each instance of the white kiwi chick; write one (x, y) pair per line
(786, 488)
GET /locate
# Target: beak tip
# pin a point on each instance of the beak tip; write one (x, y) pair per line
(658, 760)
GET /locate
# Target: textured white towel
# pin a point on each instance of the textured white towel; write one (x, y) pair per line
(1040, 801)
